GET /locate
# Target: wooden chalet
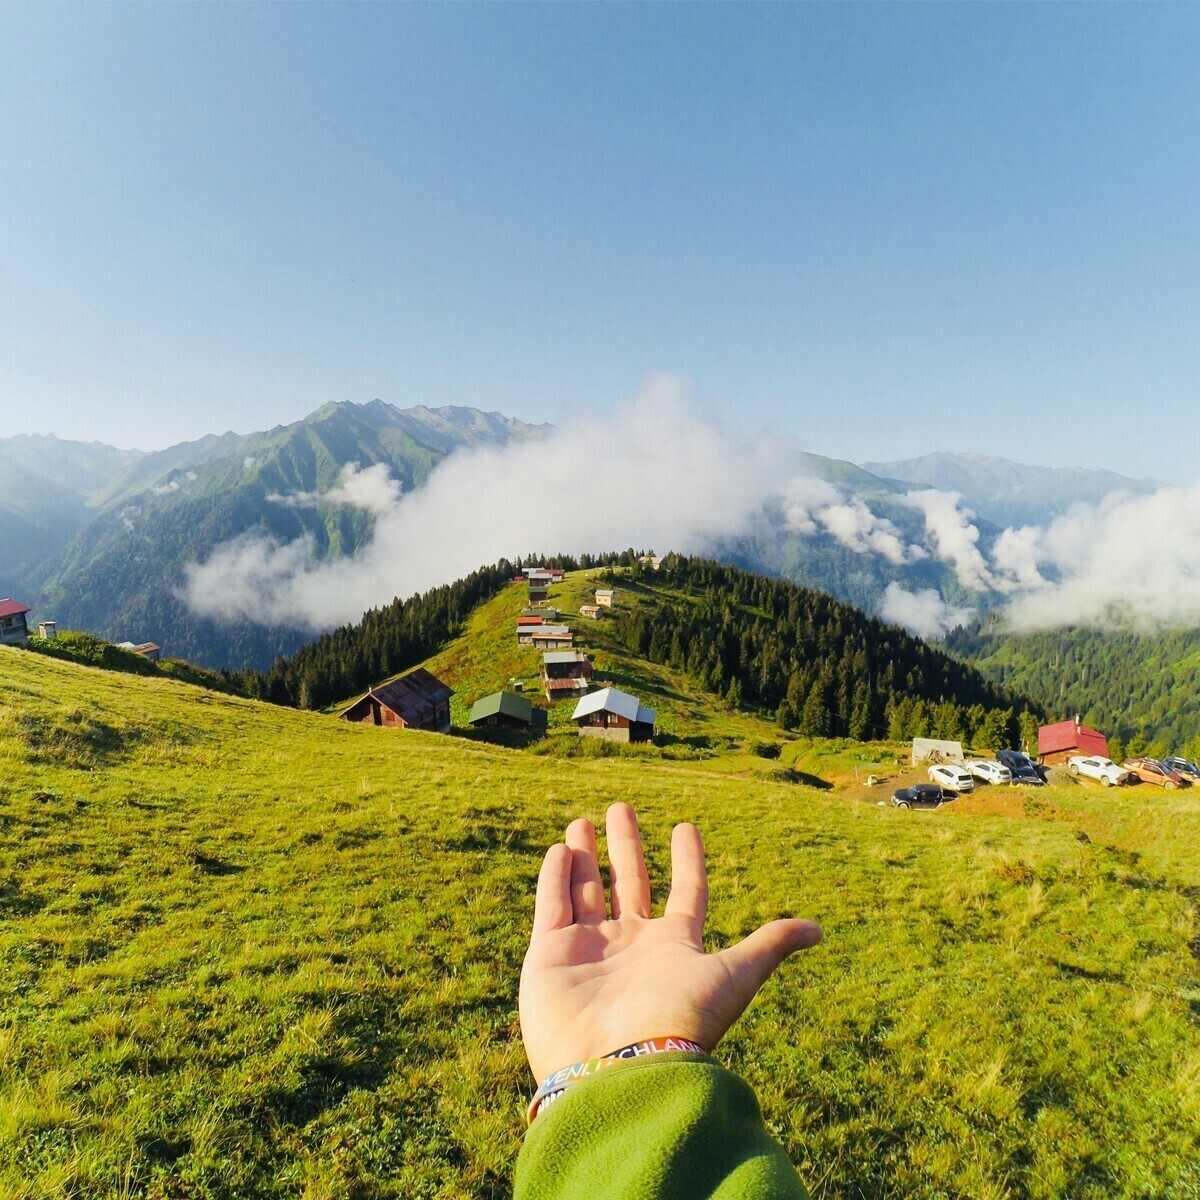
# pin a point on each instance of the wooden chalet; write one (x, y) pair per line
(506, 709)
(14, 631)
(1064, 739)
(538, 591)
(545, 637)
(417, 700)
(590, 610)
(615, 716)
(552, 637)
(604, 597)
(566, 674)
(543, 611)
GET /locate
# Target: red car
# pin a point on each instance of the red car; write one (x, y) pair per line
(1147, 770)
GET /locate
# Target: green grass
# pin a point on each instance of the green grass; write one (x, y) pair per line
(693, 724)
(249, 951)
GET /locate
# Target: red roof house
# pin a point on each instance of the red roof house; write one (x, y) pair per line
(13, 629)
(1058, 742)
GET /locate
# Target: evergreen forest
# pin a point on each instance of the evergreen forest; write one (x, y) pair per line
(821, 667)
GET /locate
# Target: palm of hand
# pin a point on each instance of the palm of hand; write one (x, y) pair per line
(591, 985)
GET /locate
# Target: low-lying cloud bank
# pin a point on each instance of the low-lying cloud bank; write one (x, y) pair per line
(654, 473)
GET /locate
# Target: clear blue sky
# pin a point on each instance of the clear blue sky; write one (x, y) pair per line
(881, 229)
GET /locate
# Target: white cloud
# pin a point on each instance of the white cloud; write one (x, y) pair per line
(249, 462)
(372, 488)
(1128, 561)
(952, 537)
(923, 612)
(803, 497)
(649, 473)
(810, 504)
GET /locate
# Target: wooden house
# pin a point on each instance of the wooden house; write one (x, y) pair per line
(615, 716)
(566, 674)
(149, 650)
(13, 629)
(1064, 739)
(538, 591)
(604, 597)
(590, 610)
(48, 630)
(506, 709)
(552, 637)
(543, 611)
(417, 700)
(545, 637)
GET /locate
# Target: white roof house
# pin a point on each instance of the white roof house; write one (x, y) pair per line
(615, 701)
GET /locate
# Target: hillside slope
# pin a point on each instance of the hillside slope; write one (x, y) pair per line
(248, 950)
(1010, 493)
(1130, 684)
(120, 576)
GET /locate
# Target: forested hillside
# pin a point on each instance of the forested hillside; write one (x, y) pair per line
(821, 667)
(121, 575)
(1142, 687)
(389, 639)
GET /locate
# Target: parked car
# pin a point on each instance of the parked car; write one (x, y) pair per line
(1184, 767)
(989, 770)
(923, 795)
(1021, 766)
(1102, 769)
(1149, 770)
(952, 776)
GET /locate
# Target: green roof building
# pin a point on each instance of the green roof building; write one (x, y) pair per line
(506, 708)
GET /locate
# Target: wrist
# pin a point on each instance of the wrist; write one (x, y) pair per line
(556, 1084)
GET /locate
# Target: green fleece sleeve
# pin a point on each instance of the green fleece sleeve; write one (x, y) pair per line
(672, 1127)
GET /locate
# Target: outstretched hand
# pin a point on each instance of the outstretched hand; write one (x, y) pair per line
(592, 984)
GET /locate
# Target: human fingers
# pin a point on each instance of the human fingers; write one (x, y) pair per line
(689, 878)
(754, 959)
(552, 908)
(587, 890)
(630, 883)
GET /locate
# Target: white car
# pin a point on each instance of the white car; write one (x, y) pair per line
(989, 770)
(952, 776)
(1103, 769)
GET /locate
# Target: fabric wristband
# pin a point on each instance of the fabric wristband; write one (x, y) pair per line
(553, 1086)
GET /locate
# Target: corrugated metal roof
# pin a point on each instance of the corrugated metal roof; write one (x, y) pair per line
(12, 608)
(564, 656)
(613, 700)
(411, 697)
(508, 703)
(604, 591)
(567, 685)
(1067, 735)
(549, 630)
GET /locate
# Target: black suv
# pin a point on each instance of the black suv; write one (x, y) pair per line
(1023, 771)
(923, 795)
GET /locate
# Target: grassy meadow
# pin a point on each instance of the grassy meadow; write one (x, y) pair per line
(248, 951)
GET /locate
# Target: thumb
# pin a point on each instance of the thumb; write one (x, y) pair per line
(754, 959)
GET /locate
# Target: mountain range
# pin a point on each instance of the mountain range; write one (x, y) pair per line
(99, 538)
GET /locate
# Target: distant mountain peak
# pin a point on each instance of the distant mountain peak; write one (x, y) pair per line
(1006, 492)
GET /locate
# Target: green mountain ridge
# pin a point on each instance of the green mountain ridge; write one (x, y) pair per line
(120, 575)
